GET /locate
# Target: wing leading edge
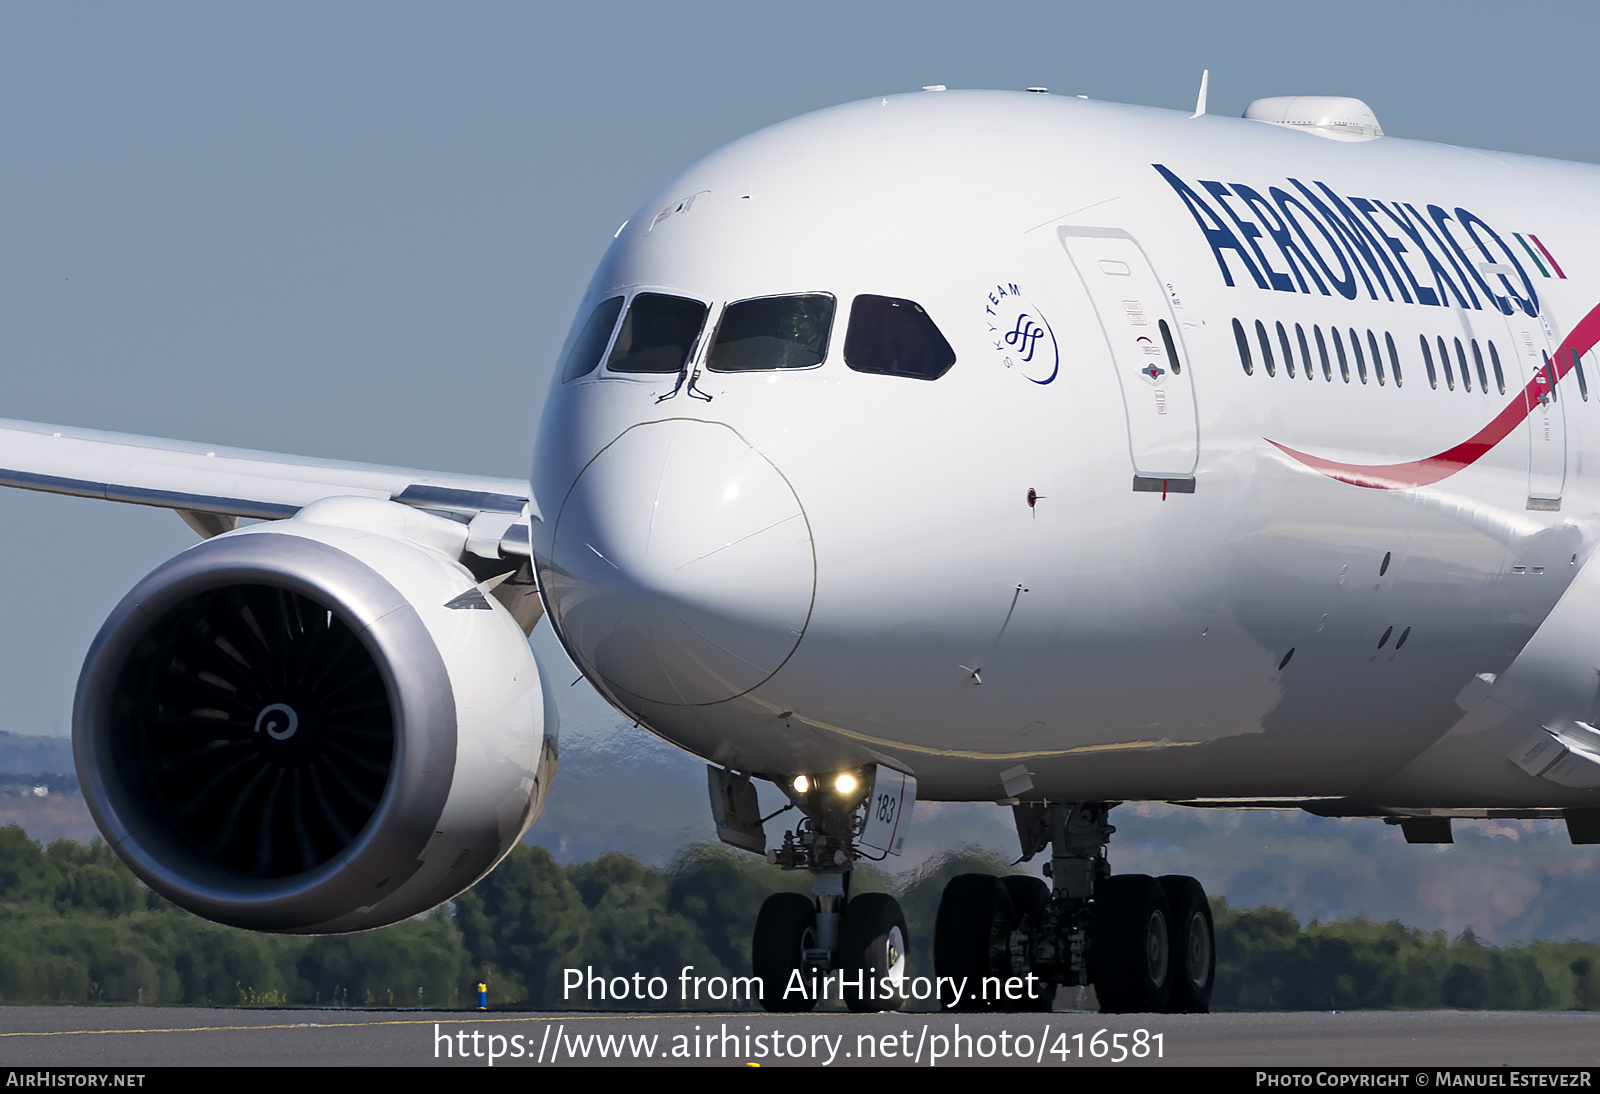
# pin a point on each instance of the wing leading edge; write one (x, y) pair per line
(212, 488)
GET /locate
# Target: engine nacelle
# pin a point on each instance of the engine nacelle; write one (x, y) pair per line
(314, 725)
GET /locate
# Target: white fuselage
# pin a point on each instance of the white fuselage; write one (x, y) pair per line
(804, 569)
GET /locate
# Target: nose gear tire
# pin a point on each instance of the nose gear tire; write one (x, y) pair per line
(872, 944)
(785, 927)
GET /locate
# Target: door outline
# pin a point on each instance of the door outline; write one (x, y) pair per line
(1159, 449)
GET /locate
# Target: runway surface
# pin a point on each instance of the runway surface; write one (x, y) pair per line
(134, 1037)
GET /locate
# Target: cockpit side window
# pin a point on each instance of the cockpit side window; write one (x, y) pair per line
(894, 337)
(772, 332)
(657, 334)
(584, 349)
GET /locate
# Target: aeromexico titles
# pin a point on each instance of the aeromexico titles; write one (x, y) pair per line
(1330, 244)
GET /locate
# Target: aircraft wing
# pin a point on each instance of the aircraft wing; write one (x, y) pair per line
(212, 487)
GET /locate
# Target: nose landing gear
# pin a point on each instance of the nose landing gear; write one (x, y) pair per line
(805, 949)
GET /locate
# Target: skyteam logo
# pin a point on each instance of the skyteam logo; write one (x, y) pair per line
(1019, 335)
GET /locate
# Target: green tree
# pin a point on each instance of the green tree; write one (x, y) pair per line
(93, 879)
(522, 925)
(720, 891)
(26, 873)
(631, 930)
(388, 965)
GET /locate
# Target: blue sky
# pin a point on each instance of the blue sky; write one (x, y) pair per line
(359, 230)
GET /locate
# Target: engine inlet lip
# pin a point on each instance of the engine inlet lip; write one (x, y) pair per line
(386, 851)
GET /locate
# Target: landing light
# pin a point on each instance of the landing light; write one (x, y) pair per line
(845, 784)
(801, 784)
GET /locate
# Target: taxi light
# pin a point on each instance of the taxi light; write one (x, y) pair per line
(801, 784)
(845, 784)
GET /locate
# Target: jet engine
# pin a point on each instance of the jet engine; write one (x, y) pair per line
(314, 725)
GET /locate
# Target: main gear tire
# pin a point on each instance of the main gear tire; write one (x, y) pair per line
(1194, 945)
(970, 938)
(1130, 945)
(1029, 896)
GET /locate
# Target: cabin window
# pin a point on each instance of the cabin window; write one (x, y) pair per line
(1288, 351)
(772, 332)
(1461, 359)
(1427, 359)
(1377, 356)
(1322, 352)
(1583, 381)
(1361, 361)
(658, 334)
(1244, 348)
(585, 344)
(1499, 377)
(1477, 359)
(1394, 359)
(1338, 347)
(1266, 348)
(1305, 351)
(1444, 359)
(1549, 378)
(893, 337)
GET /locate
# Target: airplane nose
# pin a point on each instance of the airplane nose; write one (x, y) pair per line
(682, 569)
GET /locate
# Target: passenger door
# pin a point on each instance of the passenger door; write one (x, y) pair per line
(1146, 352)
(1547, 424)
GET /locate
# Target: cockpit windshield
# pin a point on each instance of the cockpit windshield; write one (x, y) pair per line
(586, 345)
(657, 335)
(894, 337)
(772, 332)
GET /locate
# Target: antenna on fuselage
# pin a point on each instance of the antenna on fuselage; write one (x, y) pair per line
(1200, 103)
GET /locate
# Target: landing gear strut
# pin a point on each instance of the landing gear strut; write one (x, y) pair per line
(1145, 943)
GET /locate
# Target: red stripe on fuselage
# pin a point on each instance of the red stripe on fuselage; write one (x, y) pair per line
(1424, 472)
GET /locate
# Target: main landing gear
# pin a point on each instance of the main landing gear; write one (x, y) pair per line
(1146, 944)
